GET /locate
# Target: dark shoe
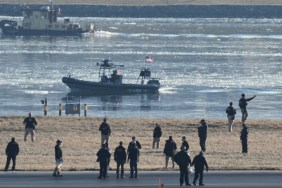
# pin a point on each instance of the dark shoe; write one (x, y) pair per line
(59, 175)
(99, 177)
(188, 184)
(201, 184)
(194, 183)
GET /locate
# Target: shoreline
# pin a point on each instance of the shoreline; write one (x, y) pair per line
(81, 140)
(148, 2)
(153, 9)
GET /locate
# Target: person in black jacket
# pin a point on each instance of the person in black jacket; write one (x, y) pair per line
(30, 123)
(244, 138)
(185, 143)
(58, 159)
(133, 157)
(156, 136)
(202, 133)
(105, 131)
(120, 158)
(103, 158)
(169, 151)
(243, 106)
(199, 162)
(183, 160)
(230, 111)
(12, 150)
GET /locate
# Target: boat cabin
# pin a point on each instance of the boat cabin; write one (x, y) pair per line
(114, 77)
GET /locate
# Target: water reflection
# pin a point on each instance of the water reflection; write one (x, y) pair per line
(117, 102)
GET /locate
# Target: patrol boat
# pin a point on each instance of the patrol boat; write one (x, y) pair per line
(43, 21)
(113, 84)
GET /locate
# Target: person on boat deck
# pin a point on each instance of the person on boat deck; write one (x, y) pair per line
(114, 76)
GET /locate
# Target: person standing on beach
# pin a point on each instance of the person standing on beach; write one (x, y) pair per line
(185, 143)
(103, 158)
(156, 136)
(12, 150)
(105, 131)
(169, 150)
(231, 111)
(183, 160)
(58, 159)
(199, 162)
(120, 158)
(30, 123)
(243, 106)
(202, 133)
(133, 156)
(244, 138)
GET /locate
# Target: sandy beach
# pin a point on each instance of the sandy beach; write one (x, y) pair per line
(150, 2)
(81, 140)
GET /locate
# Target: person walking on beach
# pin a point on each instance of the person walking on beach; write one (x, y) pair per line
(133, 158)
(120, 158)
(105, 131)
(185, 143)
(156, 136)
(30, 123)
(243, 106)
(199, 162)
(183, 160)
(231, 111)
(103, 158)
(169, 151)
(244, 138)
(12, 150)
(58, 159)
(202, 133)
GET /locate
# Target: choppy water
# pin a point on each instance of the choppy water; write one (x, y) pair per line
(203, 64)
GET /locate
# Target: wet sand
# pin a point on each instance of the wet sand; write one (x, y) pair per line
(81, 141)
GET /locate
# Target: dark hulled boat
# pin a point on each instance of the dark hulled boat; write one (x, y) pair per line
(113, 84)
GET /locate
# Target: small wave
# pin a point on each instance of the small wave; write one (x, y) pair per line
(102, 33)
(36, 92)
(167, 90)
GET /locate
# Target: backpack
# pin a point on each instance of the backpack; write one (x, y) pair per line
(231, 111)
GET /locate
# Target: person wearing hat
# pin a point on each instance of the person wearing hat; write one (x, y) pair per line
(58, 159)
(199, 162)
(30, 123)
(105, 131)
(103, 158)
(183, 160)
(202, 133)
(243, 106)
(12, 150)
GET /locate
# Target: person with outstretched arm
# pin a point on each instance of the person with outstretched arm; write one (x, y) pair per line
(243, 106)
